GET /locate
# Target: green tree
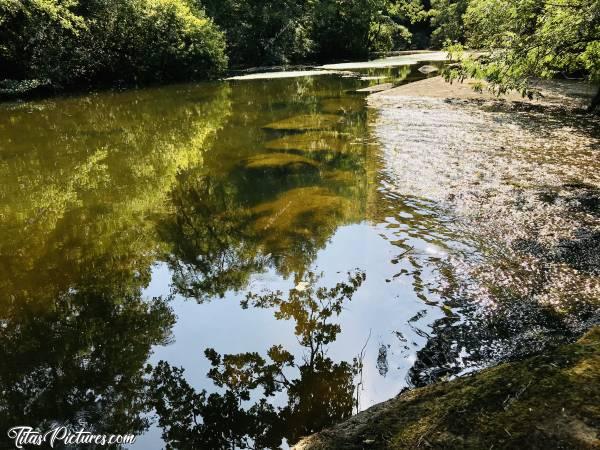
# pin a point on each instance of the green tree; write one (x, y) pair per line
(447, 21)
(263, 32)
(68, 42)
(343, 28)
(529, 39)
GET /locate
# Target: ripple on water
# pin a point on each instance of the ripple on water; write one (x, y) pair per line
(522, 189)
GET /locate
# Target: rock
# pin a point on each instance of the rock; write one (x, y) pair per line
(283, 222)
(312, 142)
(283, 74)
(427, 69)
(344, 105)
(306, 122)
(545, 401)
(280, 163)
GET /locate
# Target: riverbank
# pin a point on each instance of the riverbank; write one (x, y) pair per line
(567, 94)
(547, 402)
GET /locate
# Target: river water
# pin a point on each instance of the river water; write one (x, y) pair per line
(241, 263)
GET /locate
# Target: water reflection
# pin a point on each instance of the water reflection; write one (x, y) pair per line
(148, 226)
(319, 391)
(522, 276)
(82, 179)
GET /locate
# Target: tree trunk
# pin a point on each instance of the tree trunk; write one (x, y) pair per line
(595, 105)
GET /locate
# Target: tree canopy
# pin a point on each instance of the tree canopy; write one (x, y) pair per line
(526, 40)
(66, 43)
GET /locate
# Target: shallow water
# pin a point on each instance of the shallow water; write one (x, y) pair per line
(246, 262)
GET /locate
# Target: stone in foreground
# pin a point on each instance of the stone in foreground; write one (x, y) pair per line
(550, 401)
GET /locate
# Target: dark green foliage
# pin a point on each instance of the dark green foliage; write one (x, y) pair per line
(282, 31)
(447, 21)
(102, 41)
(341, 27)
(263, 32)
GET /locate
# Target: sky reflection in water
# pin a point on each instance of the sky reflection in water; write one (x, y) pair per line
(199, 196)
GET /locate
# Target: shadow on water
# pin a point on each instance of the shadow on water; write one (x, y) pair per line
(322, 265)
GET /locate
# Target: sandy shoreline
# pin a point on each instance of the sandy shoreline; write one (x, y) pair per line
(571, 94)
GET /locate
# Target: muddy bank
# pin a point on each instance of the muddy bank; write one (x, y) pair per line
(544, 402)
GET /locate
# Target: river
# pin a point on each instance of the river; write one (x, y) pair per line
(244, 262)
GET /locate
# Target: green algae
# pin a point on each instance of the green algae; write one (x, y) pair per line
(550, 401)
(312, 141)
(344, 105)
(280, 163)
(305, 122)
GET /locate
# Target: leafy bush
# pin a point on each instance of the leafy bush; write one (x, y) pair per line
(73, 42)
(447, 21)
(265, 32)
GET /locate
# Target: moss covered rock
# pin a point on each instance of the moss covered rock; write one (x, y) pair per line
(280, 163)
(550, 401)
(312, 141)
(306, 122)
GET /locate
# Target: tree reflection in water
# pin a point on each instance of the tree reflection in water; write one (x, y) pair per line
(81, 357)
(319, 391)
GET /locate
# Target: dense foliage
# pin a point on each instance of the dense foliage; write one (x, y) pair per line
(81, 43)
(282, 31)
(525, 40)
(76, 42)
(72, 42)
(447, 21)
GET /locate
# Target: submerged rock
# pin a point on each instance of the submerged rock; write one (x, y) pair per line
(289, 211)
(306, 122)
(377, 88)
(298, 222)
(345, 105)
(280, 163)
(312, 141)
(548, 401)
(426, 69)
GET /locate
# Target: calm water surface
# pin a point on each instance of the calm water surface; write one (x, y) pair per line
(224, 265)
